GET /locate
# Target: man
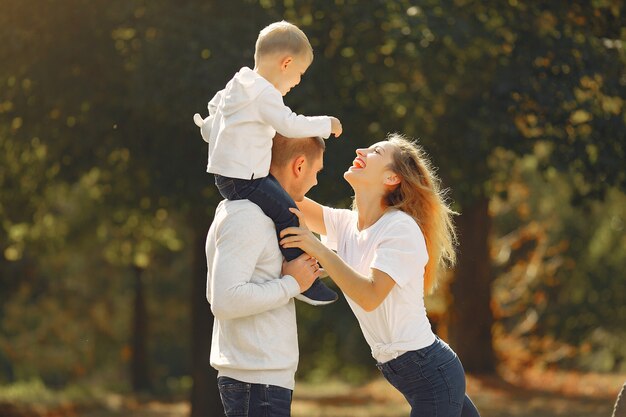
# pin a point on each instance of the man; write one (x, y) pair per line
(251, 288)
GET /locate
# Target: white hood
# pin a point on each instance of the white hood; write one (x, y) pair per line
(242, 90)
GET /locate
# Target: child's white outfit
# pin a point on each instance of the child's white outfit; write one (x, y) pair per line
(243, 119)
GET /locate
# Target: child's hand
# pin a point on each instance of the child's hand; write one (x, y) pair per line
(335, 126)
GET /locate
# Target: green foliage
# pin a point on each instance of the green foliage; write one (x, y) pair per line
(102, 169)
(33, 391)
(560, 267)
(83, 198)
(468, 77)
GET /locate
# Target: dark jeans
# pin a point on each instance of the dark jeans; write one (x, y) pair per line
(432, 380)
(268, 194)
(241, 399)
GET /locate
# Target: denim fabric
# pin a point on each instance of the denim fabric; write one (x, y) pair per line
(268, 194)
(241, 399)
(432, 380)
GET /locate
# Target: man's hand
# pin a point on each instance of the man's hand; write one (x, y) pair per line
(335, 126)
(304, 269)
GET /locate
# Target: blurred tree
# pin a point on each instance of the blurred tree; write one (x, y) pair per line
(67, 75)
(469, 78)
(529, 87)
(560, 269)
(102, 169)
(43, 117)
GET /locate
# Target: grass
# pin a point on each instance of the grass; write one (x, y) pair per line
(35, 392)
(33, 398)
(529, 393)
(493, 396)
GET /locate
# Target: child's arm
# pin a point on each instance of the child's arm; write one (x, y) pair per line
(335, 127)
(205, 124)
(212, 106)
(289, 124)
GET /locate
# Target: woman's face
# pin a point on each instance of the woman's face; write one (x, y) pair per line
(371, 166)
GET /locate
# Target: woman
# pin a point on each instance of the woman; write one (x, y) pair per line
(619, 409)
(389, 251)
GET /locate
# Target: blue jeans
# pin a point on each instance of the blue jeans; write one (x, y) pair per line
(270, 196)
(432, 380)
(241, 399)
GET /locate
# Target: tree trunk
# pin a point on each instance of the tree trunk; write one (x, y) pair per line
(205, 398)
(139, 358)
(471, 318)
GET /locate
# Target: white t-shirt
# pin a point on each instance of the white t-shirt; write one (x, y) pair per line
(242, 121)
(394, 245)
(255, 335)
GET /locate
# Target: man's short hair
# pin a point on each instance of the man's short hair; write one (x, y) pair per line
(284, 150)
(282, 37)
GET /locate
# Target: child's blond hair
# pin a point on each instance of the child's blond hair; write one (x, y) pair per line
(283, 37)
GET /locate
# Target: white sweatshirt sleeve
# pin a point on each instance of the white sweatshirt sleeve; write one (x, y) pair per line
(289, 124)
(234, 292)
(212, 106)
(206, 123)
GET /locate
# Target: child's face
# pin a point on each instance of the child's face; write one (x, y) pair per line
(291, 72)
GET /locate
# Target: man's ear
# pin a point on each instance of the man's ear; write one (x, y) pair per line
(298, 163)
(286, 61)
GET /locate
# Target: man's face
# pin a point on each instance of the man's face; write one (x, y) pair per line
(308, 176)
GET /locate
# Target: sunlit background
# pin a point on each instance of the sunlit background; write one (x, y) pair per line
(105, 203)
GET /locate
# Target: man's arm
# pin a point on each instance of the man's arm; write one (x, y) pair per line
(239, 244)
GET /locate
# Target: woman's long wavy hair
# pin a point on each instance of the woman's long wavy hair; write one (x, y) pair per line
(419, 194)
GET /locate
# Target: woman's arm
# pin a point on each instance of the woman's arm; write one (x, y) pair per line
(367, 292)
(313, 215)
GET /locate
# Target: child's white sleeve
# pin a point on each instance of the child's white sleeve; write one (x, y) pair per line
(212, 106)
(205, 123)
(289, 124)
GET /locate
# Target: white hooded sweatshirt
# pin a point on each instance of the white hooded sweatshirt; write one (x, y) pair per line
(242, 121)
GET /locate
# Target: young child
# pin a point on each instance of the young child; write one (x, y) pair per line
(243, 119)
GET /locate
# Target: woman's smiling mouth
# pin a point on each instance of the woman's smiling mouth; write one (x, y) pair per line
(358, 163)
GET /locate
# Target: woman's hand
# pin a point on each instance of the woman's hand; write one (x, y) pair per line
(303, 269)
(301, 237)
